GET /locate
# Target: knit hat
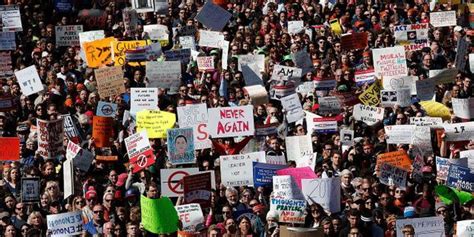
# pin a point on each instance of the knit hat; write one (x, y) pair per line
(91, 193)
(121, 179)
(409, 212)
(272, 215)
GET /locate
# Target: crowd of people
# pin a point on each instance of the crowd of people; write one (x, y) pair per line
(109, 192)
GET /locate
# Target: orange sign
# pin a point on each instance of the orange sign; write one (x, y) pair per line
(10, 148)
(102, 129)
(399, 159)
(106, 158)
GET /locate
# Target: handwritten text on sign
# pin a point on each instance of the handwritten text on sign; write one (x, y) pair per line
(231, 122)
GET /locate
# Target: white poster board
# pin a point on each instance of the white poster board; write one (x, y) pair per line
(29, 80)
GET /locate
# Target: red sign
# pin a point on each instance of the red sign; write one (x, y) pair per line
(197, 189)
(10, 148)
(142, 160)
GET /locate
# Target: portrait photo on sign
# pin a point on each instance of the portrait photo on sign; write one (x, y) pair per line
(181, 146)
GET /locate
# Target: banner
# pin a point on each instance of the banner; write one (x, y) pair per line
(50, 138)
(289, 211)
(139, 151)
(11, 18)
(119, 48)
(460, 177)
(368, 114)
(371, 96)
(65, 224)
(109, 81)
(426, 226)
(459, 131)
(213, 16)
(412, 37)
(195, 116)
(102, 130)
(159, 215)
(443, 18)
(399, 134)
(30, 190)
(231, 121)
(7, 41)
(392, 175)
(297, 146)
(396, 158)
(98, 52)
(180, 143)
(463, 108)
(10, 148)
(143, 99)
(390, 62)
(292, 106)
(166, 74)
(68, 35)
(237, 170)
(324, 191)
(191, 216)
(197, 189)
(155, 122)
(29, 80)
(263, 173)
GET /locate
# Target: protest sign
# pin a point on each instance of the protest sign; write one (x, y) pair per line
(412, 37)
(231, 121)
(106, 158)
(302, 60)
(289, 210)
(329, 105)
(463, 108)
(459, 131)
(426, 121)
(30, 189)
(287, 231)
(149, 52)
(426, 226)
(195, 116)
(10, 148)
(252, 59)
(212, 39)
(63, 6)
(347, 137)
(142, 6)
(187, 42)
(471, 62)
(401, 83)
(465, 228)
(120, 47)
(237, 170)
(50, 138)
(29, 80)
(354, 41)
(257, 93)
(182, 55)
(307, 161)
(252, 75)
(71, 128)
(421, 138)
(130, 20)
(157, 32)
(225, 54)
(298, 146)
(65, 224)
(172, 180)
(7, 41)
(466, 154)
(395, 158)
(460, 177)
(164, 74)
(390, 62)
(325, 125)
(443, 76)
(109, 81)
(155, 122)
(6, 69)
(67, 35)
(92, 18)
(371, 95)
(6, 102)
(68, 174)
(263, 173)
(305, 87)
(292, 105)
(98, 52)
(81, 158)
(364, 76)
(425, 89)
(213, 16)
(399, 134)
(143, 99)
(139, 151)
(106, 109)
(336, 26)
(266, 129)
(442, 168)
(292, 73)
(205, 63)
(285, 187)
(11, 18)
(324, 191)
(324, 84)
(197, 189)
(159, 215)
(89, 36)
(180, 143)
(190, 216)
(368, 114)
(392, 175)
(295, 27)
(298, 174)
(443, 18)
(102, 130)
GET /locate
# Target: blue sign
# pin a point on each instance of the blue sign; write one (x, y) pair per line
(63, 6)
(263, 173)
(460, 177)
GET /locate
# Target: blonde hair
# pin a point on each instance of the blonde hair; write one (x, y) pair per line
(35, 214)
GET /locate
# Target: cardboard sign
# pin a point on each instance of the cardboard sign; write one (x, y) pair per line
(106, 109)
(164, 74)
(102, 130)
(293, 108)
(368, 114)
(195, 116)
(324, 191)
(364, 76)
(412, 37)
(285, 187)
(30, 190)
(157, 32)
(426, 121)
(50, 138)
(212, 39)
(463, 108)
(392, 175)
(68, 174)
(298, 174)
(7, 41)
(295, 27)
(390, 62)
(426, 226)
(81, 158)
(120, 47)
(159, 215)
(109, 81)
(190, 216)
(197, 189)
(65, 224)
(205, 63)
(459, 131)
(180, 143)
(98, 52)
(371, 95)
(10, 148)
(354, 41)
(444, 18)
(289, 211)
(143, 99)
(213, 16)
(263, 173)
(29, 80)
(395, 158)
(106, 158)
(68, 35)
(155, 123)
(460, 177)
(172, 180)
(399, 134)
(139, 151)
(237, 170)
(231, 121)
(89, 36)
(297, 146)
(11, 18)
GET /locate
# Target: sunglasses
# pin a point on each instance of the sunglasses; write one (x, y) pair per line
(99, 211)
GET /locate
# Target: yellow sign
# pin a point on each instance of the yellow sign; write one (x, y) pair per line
(119, 48)
(435, 109)
(371, 96)
(336, 27)
(98, 52)
(155, 122)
